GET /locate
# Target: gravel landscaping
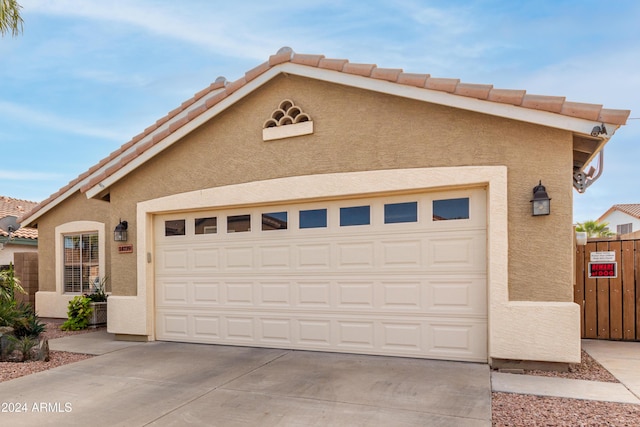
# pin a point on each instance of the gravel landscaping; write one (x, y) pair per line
(10, 370)
(516, 410)
(513, 410)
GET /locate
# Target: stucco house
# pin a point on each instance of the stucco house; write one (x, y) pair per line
(623, 219)
(25, 239)
(320, 204)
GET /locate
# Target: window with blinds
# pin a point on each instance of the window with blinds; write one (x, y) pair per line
(81, 266)
(624, 228)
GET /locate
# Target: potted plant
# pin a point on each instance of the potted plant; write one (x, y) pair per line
(98, 302)
(88, 310)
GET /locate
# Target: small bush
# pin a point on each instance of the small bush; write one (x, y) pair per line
(24, 346)
(98, 292)
(26, 322)
(79, 314)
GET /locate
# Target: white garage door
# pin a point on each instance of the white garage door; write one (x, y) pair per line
(401, 275)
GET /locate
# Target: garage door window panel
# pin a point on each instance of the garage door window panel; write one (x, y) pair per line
(274, 221)
(206, 225)
(313, 218)
(451, 209)
(175, 227)
(356, 215)
(238, 223)
(400, 212)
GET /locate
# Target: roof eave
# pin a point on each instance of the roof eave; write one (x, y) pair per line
(31, 220)
(543, 118)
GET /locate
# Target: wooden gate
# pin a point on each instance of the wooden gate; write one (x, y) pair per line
(609, 308)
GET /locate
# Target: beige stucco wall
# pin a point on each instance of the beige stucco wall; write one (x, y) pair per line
(76, 208)
(357, 130)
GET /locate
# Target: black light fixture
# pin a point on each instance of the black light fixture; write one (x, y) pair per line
(120, 232)
(541, 203)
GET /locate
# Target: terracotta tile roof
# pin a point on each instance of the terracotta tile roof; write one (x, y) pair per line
(220, 89)
(17, 208)
(632, 209)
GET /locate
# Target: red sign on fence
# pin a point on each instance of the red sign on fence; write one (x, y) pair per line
(603, 270)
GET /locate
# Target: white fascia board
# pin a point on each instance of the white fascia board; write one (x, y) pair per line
(508, 111)
(53, 203)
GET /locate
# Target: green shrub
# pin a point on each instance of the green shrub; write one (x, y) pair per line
(98, 291)
(24, 346)
(27, 323)
(19, 315)
(79, 314)
(22, 318)
(9, 285)
(8, 313)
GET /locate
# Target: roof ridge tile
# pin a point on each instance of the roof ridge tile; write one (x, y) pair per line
(280, 57)
(412, 79)
(619, 117)
(256, 71)
(215, 99)
(441, 84)
(507, 96)
(543, 102)
(194, 113)
(581, 110)
(235, 85)
(178, 124)
(473, 90)
(305, 59)
(332, 64)
(358, 69)
(388, 74)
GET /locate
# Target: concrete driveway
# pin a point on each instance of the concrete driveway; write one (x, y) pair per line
(174, 384)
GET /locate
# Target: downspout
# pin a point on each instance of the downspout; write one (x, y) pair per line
(582, 180)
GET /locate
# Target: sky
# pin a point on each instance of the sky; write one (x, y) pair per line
(86, 76)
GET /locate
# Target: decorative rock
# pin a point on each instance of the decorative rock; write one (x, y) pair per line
(42, 350)
(5, 344)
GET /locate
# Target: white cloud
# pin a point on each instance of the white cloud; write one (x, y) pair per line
(47, 120)
(220, 32)
(603, 80)
(12, 175)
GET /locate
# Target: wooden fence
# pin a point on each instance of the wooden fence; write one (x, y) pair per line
(609, 307)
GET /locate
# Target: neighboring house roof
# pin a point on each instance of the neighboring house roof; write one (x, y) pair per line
(17, 208)
(632, 209)
(551, 111)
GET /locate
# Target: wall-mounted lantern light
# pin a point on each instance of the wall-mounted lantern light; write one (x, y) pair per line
(120, 232)
(541, 203)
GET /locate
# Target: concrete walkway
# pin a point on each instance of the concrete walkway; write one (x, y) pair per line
(96, 343)
(622, 359)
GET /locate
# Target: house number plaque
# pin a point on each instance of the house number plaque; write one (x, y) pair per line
(125, 249)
